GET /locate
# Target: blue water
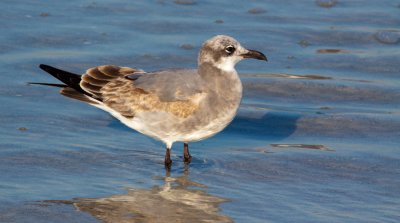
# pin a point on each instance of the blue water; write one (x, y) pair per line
(317, 138)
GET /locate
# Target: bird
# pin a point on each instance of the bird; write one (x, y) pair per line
(171, 105)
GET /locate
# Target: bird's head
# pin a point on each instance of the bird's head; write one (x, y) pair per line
(224, 52)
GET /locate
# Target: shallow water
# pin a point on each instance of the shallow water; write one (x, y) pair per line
(316, 139)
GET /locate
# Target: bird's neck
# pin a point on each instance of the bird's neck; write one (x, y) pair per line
(220, 80)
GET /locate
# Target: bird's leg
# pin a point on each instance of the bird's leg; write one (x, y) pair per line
(167, 160)
(186, 155)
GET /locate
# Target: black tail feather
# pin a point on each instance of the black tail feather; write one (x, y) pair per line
(70, 79)
(48, 84)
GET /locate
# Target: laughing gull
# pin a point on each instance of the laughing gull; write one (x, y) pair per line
(175, 105)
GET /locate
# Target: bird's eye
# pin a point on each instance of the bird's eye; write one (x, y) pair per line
(230, 50)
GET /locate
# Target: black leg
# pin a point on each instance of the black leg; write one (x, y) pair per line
(167, 160)
(186, 155)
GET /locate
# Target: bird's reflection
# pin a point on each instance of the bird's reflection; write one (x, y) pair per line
(178, 200)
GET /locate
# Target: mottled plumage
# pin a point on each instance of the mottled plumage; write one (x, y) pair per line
(170, 105)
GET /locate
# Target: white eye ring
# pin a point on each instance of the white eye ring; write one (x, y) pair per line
(230, 49)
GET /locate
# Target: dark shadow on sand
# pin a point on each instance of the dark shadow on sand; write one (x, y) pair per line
(272, 125)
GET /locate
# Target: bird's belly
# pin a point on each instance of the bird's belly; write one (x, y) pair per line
(206, 130)
(168, 128)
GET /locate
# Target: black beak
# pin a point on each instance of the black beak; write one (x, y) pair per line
(255, 55)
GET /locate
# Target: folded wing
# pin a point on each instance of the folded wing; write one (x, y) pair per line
(130, 91)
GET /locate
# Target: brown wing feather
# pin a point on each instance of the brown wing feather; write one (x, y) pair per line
(72, 93)
(97, 77)
(94, 81)
(112, 86)
(122, 96)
